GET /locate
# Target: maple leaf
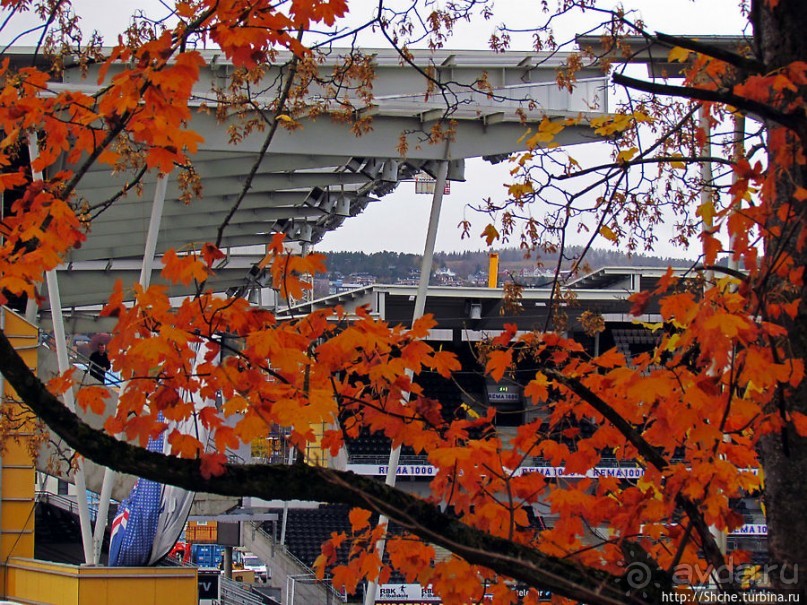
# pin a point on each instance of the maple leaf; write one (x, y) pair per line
(612, 358)
(93, 398)
(183, 269)
(498, 363)
(210, 418)
(408, 555)
(162, 159)
(342, 575)
(730, 325)
(422, 325)
(10, 180)
(490, 233)
(508, 333)
(678, 54)
(225, 439)
(184, 446)
(61, 383)
(537, 389)
(799, 421)
(235, 405)
(251, 426)
(547, 131)
(640, 301)
(359, 518)
(448, 456)
(608, 233)
(624, 157)
(143, 428)
(444, 363)
(113, 425)
(211, 254)
(276, 245)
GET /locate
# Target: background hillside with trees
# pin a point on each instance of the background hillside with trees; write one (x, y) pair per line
(395, 267)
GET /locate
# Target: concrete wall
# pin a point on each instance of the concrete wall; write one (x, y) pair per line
(287, 572)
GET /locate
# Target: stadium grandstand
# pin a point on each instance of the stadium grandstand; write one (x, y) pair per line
(310, 181)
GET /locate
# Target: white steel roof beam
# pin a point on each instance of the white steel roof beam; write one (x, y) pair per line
(231, 163)
(231, 184)
(211, 211)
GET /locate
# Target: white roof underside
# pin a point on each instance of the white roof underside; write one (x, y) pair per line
(316, 176)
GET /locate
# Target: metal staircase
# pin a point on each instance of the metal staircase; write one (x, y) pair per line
(298, 583)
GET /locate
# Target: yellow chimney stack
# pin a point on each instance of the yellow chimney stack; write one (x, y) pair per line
(493, 270)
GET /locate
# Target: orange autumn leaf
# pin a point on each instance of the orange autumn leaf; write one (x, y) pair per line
(498, 363)
(730, 325)
(537, 389)
(249, 427)
(444, 363)
(799, 421)
(359, 518)
(93, 398)
(183, 269)
(184, 446)
(59, 384)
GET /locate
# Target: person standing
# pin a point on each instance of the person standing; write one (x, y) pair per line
(99, 363)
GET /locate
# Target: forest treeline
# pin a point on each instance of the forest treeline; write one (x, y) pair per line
(389, 267)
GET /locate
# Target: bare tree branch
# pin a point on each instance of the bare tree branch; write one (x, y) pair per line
(789, 120)
(710, 50)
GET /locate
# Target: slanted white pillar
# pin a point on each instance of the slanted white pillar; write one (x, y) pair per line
(64, 365)
(420, 307)
(707, 227)
(738, 152)
(145, 279)
(707, 190)
(154, 230)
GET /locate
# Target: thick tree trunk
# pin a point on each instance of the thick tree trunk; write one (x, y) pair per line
(781, 39)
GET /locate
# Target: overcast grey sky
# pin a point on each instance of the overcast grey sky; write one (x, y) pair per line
(404, 208)
(398, 222)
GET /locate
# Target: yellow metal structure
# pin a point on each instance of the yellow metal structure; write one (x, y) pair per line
(245, 576)
(26, 580)
(17, 474)
(202, 532)
(31, 581)
(493, 270)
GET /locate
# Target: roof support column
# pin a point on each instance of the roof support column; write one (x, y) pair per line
(707, 229)
(420, 307)
(154, 230)
(739, 153)
(707, 190)
(64, 365)
(145, 279)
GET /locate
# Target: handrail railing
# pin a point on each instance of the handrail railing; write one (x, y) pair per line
(77, 358)
(326, 582)
(234, 593)
(70, 505)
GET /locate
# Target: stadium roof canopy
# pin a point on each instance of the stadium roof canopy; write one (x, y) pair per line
(314, 177)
